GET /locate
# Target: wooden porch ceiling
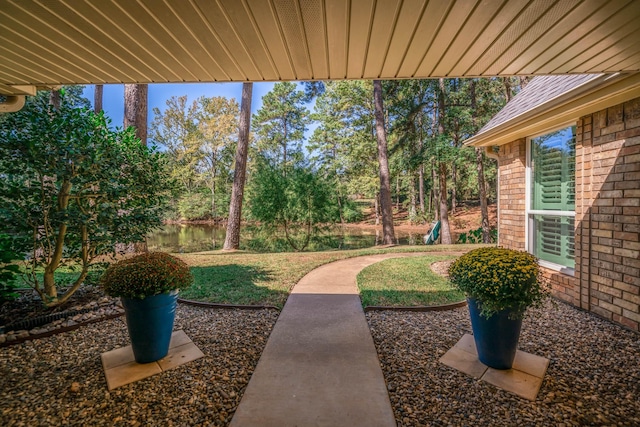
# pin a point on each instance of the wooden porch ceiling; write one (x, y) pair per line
(45, 43)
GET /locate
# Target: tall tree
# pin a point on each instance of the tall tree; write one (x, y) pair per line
(217, 119)
(388, 234)
(482, 186)
(299, 204)
(135, 109)
(232, 240)
(175, 129)
(445, 230)
(280, 125)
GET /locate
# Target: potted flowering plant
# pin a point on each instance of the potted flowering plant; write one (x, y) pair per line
(500, 284)
(148, 286)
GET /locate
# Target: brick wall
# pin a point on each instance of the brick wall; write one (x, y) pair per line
(608, 212)
(512, 167)
(607, 236)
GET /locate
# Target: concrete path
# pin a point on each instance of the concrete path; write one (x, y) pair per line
(320, 366)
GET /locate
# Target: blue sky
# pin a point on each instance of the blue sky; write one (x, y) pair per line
(159, 93)
(113, 95)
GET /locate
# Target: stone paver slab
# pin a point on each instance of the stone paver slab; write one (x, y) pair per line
(180, 355)
(464, 361)
(514, 381)
(120, 367)
(524, 379)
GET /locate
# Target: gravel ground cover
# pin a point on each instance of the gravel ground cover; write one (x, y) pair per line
(37, 377)
(593, 376)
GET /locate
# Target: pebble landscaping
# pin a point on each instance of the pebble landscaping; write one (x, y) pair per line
(59, 380)
(593, 377)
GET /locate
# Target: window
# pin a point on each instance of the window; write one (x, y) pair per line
(551, 198)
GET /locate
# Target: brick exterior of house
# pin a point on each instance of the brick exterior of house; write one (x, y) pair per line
(607, 235)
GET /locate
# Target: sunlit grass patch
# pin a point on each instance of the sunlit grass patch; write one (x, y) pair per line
(406, 282)
(267, 279)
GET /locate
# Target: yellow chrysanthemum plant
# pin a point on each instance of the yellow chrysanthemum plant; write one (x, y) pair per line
(145, 275)
(148, 285)
(500, 279)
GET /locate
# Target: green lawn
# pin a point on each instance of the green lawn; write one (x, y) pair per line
(267, 278)
(406, 282)
(259, 278)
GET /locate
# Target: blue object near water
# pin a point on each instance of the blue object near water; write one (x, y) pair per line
(150, 324)
(496, 337)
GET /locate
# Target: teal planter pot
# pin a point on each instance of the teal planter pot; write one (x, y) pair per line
(496, 337)
(150, 324)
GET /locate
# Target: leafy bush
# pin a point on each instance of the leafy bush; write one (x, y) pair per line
(298, 204)
(351, 211)
(73, 190)
(475, 236)
(8, 270)
(500, 279)
(194, 206)
(146, 275)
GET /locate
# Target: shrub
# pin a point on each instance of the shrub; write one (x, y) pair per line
(72, 189)
(500, 279)
(8, 270)
(146, 275)
(475, 236)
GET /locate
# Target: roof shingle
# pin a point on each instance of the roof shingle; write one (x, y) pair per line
(539, 91)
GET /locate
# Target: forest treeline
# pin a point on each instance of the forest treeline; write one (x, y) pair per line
(299, 178)
(74, 189)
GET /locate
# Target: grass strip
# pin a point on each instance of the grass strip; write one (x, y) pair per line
(406, 282)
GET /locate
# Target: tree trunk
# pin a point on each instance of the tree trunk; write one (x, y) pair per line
(54, 99)
(213, 201)
(135, 114)
(482, 191)
(340, 208)
(376, 208)
(232, 240)
(421, 187)
(135, 109)
(482, 188)
(97, 98)
(445, 231)
(413, 207)
(398, 193)
(55, 254)
(506, 82)
(435, 193)
(388, 234)
(284, 148)
(454, 193)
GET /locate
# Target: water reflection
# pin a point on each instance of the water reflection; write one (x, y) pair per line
(201, 237)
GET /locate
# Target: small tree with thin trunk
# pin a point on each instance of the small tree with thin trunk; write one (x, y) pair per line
(71, 189)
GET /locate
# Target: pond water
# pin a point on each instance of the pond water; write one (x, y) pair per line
(198, 237)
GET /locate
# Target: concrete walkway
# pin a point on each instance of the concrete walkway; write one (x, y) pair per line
(320, 366)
